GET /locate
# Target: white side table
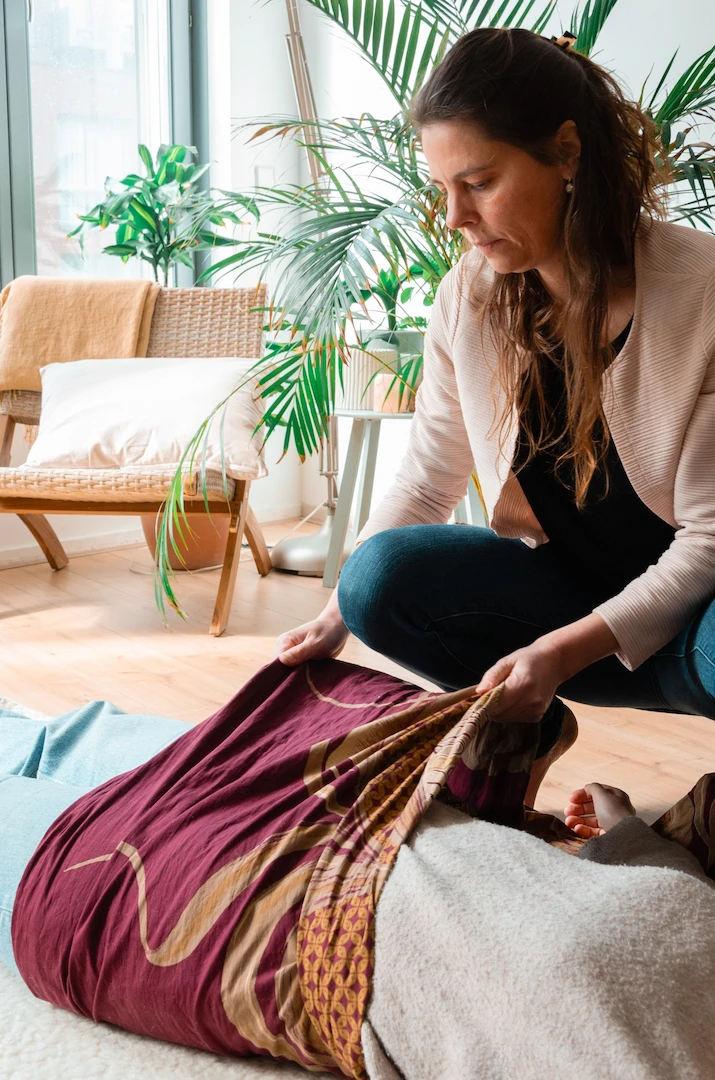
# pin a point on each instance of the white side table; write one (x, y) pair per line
(361, 457)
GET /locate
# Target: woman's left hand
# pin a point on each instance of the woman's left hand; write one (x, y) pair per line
(531, 676)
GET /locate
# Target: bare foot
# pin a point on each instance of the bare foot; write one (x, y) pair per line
(568, 736)
(596, 808)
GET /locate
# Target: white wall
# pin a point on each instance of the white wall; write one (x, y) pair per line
(259, 84)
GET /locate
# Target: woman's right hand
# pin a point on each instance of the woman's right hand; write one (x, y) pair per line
(315, 640)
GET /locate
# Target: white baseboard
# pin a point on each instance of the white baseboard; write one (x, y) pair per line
(318, 516)
(27, 554)
(278, 512)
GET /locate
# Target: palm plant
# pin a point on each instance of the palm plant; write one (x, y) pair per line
(346, 243)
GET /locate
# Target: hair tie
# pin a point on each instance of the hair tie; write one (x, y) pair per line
(566, 41)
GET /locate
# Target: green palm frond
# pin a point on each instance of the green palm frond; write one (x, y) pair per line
(404, 40)
(389, 145)
(329, 250)
(677, 113)
(587, 24)
(397, 38)
(331, 244)
(693, 92)
(693, 193)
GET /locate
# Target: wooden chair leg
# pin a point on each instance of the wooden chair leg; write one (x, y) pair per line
(257, 544)
(47, 538)
(227, 583)
(7, 430)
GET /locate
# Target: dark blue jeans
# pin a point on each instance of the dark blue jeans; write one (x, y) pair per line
(448, 601)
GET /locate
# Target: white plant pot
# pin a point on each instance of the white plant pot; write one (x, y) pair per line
(358, 390)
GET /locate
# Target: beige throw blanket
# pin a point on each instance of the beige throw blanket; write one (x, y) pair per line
(498, 956)
(54, 320)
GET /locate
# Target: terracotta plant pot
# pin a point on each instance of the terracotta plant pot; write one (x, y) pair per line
(206, 545)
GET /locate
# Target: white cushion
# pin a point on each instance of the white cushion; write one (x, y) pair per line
(140, 413)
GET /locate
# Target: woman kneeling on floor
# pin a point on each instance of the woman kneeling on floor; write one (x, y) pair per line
(570, 359)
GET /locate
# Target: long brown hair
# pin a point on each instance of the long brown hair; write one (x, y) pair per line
(520, 88)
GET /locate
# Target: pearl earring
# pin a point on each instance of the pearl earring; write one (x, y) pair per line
(569, 187)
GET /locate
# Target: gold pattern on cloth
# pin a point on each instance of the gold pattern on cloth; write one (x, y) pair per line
(336, 933)
(361, 704)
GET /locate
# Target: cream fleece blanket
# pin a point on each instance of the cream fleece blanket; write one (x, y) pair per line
(513, 959)
(53, 320)
(41, 1042)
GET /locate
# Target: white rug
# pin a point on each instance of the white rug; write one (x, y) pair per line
(24, 710)
(41, 1042)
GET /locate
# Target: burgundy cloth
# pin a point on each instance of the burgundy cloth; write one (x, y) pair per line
(217, 791)
(222, 895)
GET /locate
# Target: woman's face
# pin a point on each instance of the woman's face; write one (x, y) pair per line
(508, 204)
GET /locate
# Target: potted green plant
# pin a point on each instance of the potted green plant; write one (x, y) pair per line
(344, 242)
(165, 218)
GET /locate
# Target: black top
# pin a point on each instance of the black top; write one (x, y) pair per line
(614, 538)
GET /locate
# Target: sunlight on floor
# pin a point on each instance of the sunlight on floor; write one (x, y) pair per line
(93, 631)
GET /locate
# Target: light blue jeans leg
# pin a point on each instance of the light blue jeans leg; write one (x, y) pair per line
(685, 667)
(46, 765)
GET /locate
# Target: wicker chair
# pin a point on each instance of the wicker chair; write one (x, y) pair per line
(186, 322)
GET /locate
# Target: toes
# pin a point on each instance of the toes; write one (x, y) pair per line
(580, 797)
(581, 819)
(586, 832)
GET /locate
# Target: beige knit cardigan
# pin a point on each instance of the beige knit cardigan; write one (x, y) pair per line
(659, 399)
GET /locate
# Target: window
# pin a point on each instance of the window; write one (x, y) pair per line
(82, 82)
(99, 85)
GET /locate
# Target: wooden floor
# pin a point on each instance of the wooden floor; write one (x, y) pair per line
(93, 631)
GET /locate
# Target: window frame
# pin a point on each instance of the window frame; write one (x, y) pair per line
(17, 201)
